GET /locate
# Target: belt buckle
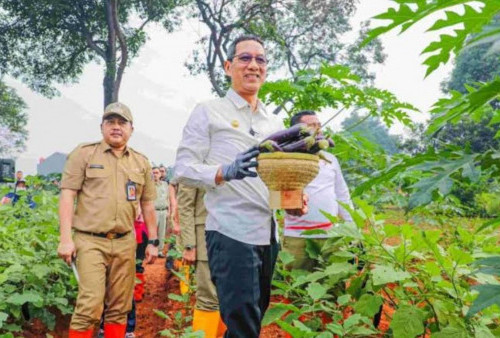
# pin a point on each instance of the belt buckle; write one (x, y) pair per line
(110, 235)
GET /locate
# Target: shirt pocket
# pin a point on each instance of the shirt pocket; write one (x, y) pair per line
(139, 181)
(98, 182)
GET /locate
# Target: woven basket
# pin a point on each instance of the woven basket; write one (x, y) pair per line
(286, 175)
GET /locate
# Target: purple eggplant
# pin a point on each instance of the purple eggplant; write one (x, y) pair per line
(292, 133)
(301, 146)
(269, 147)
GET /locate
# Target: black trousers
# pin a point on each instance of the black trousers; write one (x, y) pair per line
(242, 274)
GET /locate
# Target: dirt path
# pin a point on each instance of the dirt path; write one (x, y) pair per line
(155, 298)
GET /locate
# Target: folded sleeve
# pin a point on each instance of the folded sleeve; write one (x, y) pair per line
(74, 170)
(149, 192)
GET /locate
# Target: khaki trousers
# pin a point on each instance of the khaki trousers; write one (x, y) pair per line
(297, 247)
(106, 268)
(206, 294)
(161, 217)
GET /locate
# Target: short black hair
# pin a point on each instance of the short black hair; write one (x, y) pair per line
(296, 118)
(247, 37)
(155, 167)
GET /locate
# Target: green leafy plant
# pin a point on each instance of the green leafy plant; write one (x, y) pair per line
(32, 278)
(417, 276)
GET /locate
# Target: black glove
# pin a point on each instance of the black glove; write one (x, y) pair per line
(238, 170)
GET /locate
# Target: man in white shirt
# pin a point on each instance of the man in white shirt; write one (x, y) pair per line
(325, 191)
(216, 153)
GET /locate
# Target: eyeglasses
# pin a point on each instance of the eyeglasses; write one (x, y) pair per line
(245, 59)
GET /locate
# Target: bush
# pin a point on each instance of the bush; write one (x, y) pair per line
(489, 203)
(32, 278)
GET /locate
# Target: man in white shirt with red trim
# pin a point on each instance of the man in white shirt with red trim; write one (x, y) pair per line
(325, 191)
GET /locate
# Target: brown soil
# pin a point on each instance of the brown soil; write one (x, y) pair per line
(159, 283)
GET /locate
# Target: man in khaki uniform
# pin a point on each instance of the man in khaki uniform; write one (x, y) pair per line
(192, 215)
(109, 181)
(161, 206)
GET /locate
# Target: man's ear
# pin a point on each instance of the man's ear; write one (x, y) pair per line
(227, 67)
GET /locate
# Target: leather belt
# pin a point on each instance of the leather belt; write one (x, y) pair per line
(161, 209)
(107, 235)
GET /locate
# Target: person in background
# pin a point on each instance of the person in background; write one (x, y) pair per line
(163, 173)
(19, 176)
(19, 189)
(161, 207)
(325, 192)
(192, 216)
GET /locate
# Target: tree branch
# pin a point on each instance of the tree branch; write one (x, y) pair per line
(89, 39)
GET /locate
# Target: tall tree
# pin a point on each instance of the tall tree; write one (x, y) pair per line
(299, 35)
(48, 41)
(13, 119)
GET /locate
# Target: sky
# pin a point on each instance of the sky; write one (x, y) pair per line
(161, 93)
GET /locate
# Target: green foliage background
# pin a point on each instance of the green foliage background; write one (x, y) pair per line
(30, 271)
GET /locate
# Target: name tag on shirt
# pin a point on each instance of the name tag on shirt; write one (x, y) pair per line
(131, 191)
(96, 166)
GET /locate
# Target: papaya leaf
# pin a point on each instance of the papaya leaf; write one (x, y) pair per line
(472, 21)
(488, 295)
(441, 180)
(490, 265)
(398, 167)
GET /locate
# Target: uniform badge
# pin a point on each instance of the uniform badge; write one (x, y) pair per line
(235, 124)
(131, 191)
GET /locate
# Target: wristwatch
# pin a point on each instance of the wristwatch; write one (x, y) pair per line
(190, 247)
(155, 242)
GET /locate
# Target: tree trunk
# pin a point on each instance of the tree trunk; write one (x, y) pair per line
(123, 50)
(110, 95)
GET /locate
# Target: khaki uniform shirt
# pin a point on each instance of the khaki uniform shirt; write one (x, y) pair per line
(161, 202)
(100, 179)
(192, 212)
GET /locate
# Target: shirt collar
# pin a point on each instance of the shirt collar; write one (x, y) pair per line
(240, 102)
(106, 147)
